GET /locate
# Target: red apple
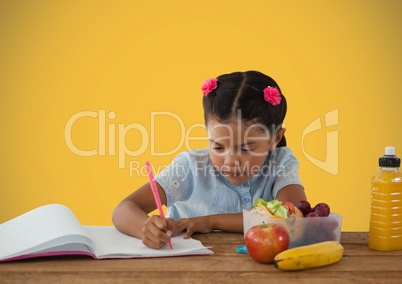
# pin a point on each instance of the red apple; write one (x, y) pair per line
(265, 241)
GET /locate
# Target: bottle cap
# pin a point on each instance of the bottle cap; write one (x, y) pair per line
(389, 159)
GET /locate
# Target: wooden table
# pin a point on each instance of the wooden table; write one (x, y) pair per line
(359, 265)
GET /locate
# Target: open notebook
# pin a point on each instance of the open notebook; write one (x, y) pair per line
(54, 230)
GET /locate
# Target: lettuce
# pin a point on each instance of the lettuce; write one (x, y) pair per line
(274, 206)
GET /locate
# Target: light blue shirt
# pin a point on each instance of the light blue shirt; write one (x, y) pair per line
(195, 188)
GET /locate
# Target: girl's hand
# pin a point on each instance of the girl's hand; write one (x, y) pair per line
(193, 225)
(157, 232)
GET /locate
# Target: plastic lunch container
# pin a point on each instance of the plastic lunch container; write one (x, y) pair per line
(302, 230)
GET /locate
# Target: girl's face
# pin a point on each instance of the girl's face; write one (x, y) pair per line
(238, 150)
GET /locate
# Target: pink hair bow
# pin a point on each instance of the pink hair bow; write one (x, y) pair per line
(272, 95)
(209, 86)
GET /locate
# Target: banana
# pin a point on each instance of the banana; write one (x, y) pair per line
(309, 256)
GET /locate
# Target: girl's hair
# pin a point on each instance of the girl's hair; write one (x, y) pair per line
(240, 95)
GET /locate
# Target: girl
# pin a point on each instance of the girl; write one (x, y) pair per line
(207, 189)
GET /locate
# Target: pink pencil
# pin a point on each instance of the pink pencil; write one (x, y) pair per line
(156, 193)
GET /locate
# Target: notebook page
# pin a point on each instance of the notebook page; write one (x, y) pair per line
(39, 229)
(110, 243)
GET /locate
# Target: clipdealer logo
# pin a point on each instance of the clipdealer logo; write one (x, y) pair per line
(331, 162)
(108, 131)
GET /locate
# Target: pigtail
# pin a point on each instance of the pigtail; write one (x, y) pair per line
(282, 143)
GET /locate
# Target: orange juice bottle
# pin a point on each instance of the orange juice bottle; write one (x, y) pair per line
(386, 204)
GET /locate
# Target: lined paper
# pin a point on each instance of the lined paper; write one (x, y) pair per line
(40, 229)
(110, 243)
(53, 229)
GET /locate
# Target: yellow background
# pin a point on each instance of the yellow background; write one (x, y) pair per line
(131, 58)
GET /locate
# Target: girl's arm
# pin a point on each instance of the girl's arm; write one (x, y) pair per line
(206, 224)
(292, 192)
(233, 222)
(131, 217)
